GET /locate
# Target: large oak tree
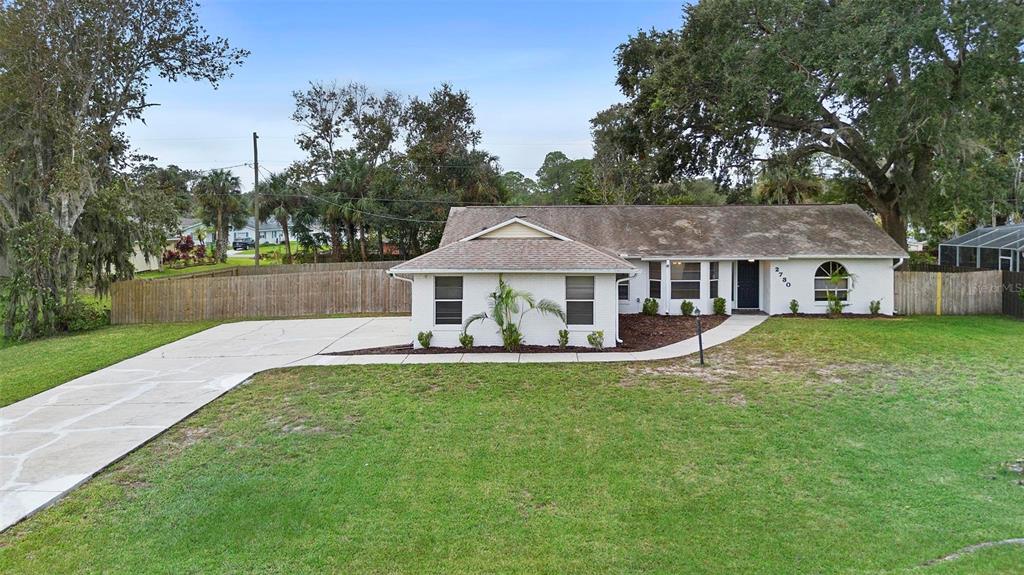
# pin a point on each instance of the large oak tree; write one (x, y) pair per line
(893, 91)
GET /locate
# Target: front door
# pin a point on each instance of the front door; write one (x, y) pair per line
(747, 292)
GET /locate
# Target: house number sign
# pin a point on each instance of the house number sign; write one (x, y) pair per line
(783, 277)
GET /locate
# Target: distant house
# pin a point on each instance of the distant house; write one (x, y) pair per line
(271, 231)
(602, 261)
(992, 248)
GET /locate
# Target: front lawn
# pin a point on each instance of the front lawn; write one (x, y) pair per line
(33, 366)
(807, 446)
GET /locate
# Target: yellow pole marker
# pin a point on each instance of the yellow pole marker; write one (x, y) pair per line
(938, 293)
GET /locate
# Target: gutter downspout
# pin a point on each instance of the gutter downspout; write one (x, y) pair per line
(899, 263)
(618, 339)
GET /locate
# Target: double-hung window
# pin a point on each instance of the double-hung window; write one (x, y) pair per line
(579, 300)
(447, 300)
(713, 280)
(623, 286)
(654, 274)
(685, 280)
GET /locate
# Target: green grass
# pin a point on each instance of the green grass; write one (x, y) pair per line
(35, 366)
(807, 446)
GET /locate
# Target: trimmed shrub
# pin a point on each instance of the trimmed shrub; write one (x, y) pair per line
(794, 307)
(563, 338)
(424, 338)
(650, 306)
(835, 305)
(465, 340)
(719, 306)
(596, 339)
(687, 307)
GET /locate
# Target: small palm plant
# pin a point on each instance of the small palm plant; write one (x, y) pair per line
(507, 306)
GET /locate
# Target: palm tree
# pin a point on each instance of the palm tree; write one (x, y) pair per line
(507, 306)
(220, 204)
(279, 200)
(783, 182)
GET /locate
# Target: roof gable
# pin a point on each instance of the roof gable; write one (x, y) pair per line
(514, 228)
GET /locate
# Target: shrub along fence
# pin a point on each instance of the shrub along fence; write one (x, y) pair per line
(942, 293)
(269, 292)
(1013, 294)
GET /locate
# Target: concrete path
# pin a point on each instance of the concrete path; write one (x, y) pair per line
(53, 441)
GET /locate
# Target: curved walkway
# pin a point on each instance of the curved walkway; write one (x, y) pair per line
(57, 439)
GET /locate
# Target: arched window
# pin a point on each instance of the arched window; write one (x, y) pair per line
(831, 278)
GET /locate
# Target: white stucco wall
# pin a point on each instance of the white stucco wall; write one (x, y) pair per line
(537, 329)
(871, 279)
(639, 288)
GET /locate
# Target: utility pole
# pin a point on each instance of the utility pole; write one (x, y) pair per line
(256, 194)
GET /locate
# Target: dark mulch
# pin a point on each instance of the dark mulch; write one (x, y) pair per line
(639, 332)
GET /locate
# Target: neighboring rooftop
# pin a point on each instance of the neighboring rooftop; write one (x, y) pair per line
(696, 231)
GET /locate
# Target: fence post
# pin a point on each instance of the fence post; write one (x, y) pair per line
(938, 293)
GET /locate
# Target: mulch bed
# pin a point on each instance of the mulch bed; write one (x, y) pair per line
(639, 333)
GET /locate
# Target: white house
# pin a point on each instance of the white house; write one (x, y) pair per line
(602, 261)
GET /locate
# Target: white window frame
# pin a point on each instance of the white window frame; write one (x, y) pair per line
(714, 274)
(619, 285)
(462, 287)
(593, 309)
(651, 266)
(821, 273)
(672, 281)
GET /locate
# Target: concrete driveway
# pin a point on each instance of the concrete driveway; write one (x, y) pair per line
(51, 442)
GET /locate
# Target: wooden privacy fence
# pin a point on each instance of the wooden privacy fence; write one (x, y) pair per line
(263, 295)
(1013, 287)
(939, 293)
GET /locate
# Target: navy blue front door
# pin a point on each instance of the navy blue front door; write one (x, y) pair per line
(747, 292)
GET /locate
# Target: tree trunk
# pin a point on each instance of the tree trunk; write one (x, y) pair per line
(362, 241)
(380, 243)
(222, 237)
(894, 222)
(414, 238)
(335, 242)
(350, 228)
(287, 241)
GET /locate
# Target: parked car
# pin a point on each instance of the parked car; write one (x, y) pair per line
(243, 244)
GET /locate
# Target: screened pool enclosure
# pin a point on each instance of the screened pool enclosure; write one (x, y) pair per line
(998, 248)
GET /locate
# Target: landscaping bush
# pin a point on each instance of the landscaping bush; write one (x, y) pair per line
(81, 316)
(511, 337)
(465, 340)
(875, 306)
(719, 306)
(424, 338)
(563, 337)
(835, 305)
(596, 339)
(650, 306)
(687, 307)
(794, 307)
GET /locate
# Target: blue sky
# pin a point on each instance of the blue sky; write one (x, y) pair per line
(535, 71)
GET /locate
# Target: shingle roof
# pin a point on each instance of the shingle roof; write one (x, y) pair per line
(516, 254)
(697, 231)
